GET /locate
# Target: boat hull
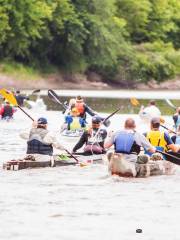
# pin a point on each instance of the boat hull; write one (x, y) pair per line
(117, 165)
(57, 161)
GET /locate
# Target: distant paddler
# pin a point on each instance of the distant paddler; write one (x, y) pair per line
(93, 138)
(176, 118)
(7, 111)
(176, 138)
(40, 141)
(20, 98)
(73, 121)
(158, 138)
(147, 113)
(127, 146)
(84, 109)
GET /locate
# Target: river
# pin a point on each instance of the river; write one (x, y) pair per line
(82, 203)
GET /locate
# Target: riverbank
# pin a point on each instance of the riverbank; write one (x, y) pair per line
(78, 81)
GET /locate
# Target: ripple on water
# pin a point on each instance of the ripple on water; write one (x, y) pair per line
(81, 203)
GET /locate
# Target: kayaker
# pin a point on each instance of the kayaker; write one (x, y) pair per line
(129, 142)
(20, 98)
(93, 138)
(7, 111)
(83, 109)
(160, 139)
(176, 138)
(41, 142)
(150, 111)
(176, 118)
(73, 121)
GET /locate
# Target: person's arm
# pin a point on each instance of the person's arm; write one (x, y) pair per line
(83, 139)
(24, 135)
(170, 143)
(51, 139)
(89, 110)
(146, 144)
(109, 142)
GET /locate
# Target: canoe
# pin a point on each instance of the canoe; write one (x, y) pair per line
(118, 165)
(72, 133)
(57, 161)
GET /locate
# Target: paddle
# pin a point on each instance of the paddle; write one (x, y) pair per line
(72, 155)
(134, 101)
(170, 103)
(35, 91)
(109, 116)
(167, 129)
(53, 96)
(12, 100)
(170, 158)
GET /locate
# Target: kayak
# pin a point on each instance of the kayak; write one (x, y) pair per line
(118, 165)
(72, 133)
(57, 161)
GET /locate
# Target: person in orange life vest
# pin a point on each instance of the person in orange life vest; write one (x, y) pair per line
(160, 139)
(84, 108)
(93, 138)
(7, 111)
(73, 121)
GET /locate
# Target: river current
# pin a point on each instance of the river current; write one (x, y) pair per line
(82, 203)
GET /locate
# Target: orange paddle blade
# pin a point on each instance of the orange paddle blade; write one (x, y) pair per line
(134, 102)
(8, 96)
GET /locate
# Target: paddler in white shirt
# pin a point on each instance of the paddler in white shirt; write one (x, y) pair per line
(40, 142)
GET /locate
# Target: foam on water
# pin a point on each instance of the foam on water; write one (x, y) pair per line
(70, 203)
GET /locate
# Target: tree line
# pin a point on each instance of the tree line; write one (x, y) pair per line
(123, 40)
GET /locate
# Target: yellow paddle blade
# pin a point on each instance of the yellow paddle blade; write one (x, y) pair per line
(8, 96)
(134, 102)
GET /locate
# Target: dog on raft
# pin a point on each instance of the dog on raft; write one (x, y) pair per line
(144, 167)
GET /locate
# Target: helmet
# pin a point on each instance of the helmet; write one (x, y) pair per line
(96, 119)
(42, 120)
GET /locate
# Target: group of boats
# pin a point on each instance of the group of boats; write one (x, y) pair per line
(116, 163)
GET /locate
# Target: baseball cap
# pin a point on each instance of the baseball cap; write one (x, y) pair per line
(42, 120)
(96, 119)
(155, 120)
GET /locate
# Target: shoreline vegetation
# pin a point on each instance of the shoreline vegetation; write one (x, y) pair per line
(18, 76)
(90, 44)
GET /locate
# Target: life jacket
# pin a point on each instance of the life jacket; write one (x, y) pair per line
(95, 141)
(8, 111)
(95, 138)
(80, 107)
(124, 142)
(157, 139)
(177, 140)
(35, 143)
(75, 124)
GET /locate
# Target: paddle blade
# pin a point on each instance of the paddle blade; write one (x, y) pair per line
(36, 91)
(134, 102)
(9, 96)
(170, 103)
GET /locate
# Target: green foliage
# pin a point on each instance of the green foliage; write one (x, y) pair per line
(124, 40)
